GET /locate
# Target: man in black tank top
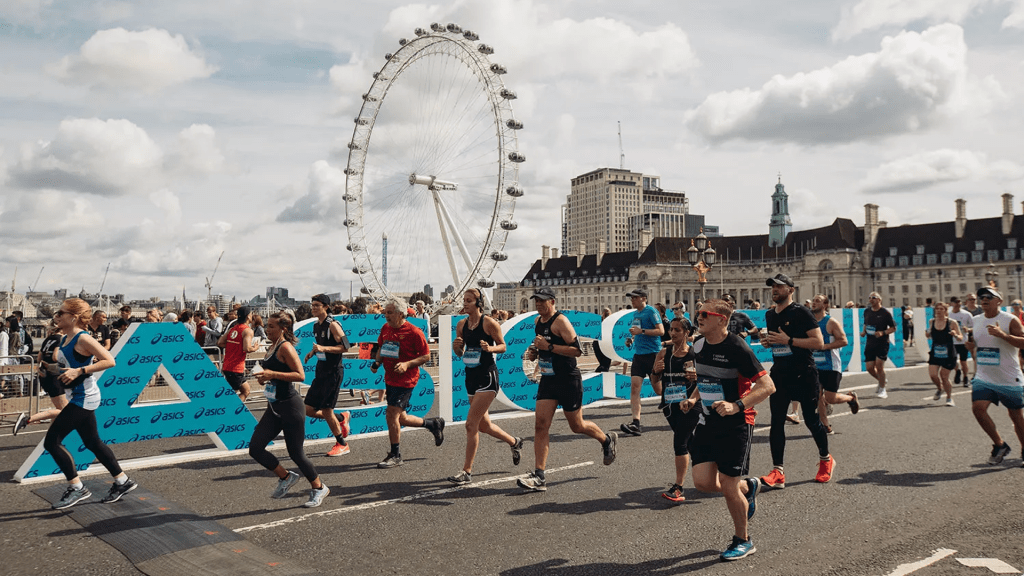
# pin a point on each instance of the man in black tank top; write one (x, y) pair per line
(557, 348)
(322, 396)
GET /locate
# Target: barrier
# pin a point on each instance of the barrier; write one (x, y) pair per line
(19, 385)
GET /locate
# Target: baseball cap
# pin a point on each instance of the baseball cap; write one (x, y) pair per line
(779, 279)
(322, 298)
(637, 292)
(987, 291)
(543, 294)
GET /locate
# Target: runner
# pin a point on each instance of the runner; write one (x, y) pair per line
(730, 382)
(48, 371)
(477, 339)
(322, 396)
(557, 347)
(237, 343)
(793, 334)
(646, 333)
(676, 372)
(878, 324)
(942, 357)
(279, 369)
(965, 320)
(402, 350)
(828, 363)
(1018, 312)
(80, 358)
(998, 338)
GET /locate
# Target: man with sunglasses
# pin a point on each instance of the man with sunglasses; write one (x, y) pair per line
(878, 324)
(730, 382)
(998, 337)
(793, 334)
(646, 333)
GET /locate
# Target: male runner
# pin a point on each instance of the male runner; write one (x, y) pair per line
(878, 324)
(739, 323)
(646, 333)
(793, 334)
(557, 347)
(730, 382)
(99, 330)
(402, 350)
(322, 397)
(828, 363)
(966, 322)
(997, 340)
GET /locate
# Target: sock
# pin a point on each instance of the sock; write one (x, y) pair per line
(539, 473)
(77, 485)
(120, 480)
(607, 440)
(779, 468)
(636, 422)
(394, 449)
(340, 439)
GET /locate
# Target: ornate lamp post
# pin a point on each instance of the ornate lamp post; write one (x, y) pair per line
(701, 257)
(940, 286)
(1020, 289)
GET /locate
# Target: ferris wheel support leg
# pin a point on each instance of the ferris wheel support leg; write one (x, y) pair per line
(444, 238)
(455, 233)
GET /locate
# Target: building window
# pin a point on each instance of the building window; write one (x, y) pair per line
(917, 275)
(949, 246)
(878, 262)
(947, 258)
(920, 248)
(892, 251)
(892, 289)
(906, 289)
(1009, 254)
(918, 259)
(993, 255)
(1011, 242)
(963, 287)
(976, 256)
(904, 261)
(961, 257)
(979, 244)
(890, 261)
(932, 288)
(890, 276)
(932, 258)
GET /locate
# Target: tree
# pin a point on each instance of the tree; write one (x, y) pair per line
(420, 296)
(44, 311)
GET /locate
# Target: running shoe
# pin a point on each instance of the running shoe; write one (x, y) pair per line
(998, 453)
(631, 429)
(437, 429)
(365, 396)
(674, 494)
(854, 404)
(738, 549)
(774, 479)
(346, 417)
(956, 377)
(828, 429)
(754, 487)
(20, 423)
(284, 484)
(949, 402)
(828, 410)
(390, 461)
(792, 418)
(72, 497)
(938, 395)
(517, 448)
(882, 393)
(339, 450)
(825, 468)
(317, 495)
(533, 482)
(461, 478)
(118, 490)
(967, 383)
(609, 448)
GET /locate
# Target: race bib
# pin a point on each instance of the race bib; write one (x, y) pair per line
(675, 393)
(546, 368)
(270, 392)
(710, 390)
(471, 357)
(389, 350)
(988, 356)
(321, 356)
(779, 350)
(636, 322)
(820, 360)
(941, 351)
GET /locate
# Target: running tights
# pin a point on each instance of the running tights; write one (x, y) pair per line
(807, 396)
(78, 419)
(288, 415)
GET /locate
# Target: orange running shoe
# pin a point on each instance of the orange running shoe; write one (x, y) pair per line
(825, 469)
(345, 428)
(339, 450)
(774, 479)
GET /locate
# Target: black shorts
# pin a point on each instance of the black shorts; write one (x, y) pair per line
(397, 396)
(322, 394)
(682, 424)
(829, 380)
(961, 352)
(235, 380)
(947, 363)
(482, 380)
(874, 349)
(51, 386)
(566, 389)
(727, 444)
(643, 364)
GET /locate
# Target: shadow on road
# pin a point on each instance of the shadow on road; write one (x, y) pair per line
(558, 567)
(912, 479)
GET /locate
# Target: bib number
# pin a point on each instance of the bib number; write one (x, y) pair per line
(546, 368)
(321, 356)
(389, 350)
(820, 359)
(710, 391)
(988, 356)
(780, 350)
(471, 357)
(270, 392)
(941, 351)
(675, 393)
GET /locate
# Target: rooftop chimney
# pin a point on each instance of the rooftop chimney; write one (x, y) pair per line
(961, 217)
(870, 225)
(554, 253)
(1007, 213)
(601, 247)
(645, 240)
(545, 252)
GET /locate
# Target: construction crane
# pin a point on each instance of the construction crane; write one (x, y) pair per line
(209, 281)
(14, 280)
(104, 282)
(36, 283)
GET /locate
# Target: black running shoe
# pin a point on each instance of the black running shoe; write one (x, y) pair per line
(72, 497)
(631, 429)
(118, 490)
(609, 448)
(517, 448)
(437, 429)
(956, 377)
(20, 423)
(854, 404)
(998, 453)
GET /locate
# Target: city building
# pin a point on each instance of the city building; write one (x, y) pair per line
(503, 296)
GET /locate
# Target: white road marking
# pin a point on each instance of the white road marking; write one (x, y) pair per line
(904, 569)
(410, 498)
(993, 564)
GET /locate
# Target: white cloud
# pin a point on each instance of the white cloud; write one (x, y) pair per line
(103, 157)
(169, 205)
(150, 60)
(911, 84)
(873, 14)
(198, 151)
(322, 200)
(23, 11)
(1016, 17)
(47, 214)
(938, 166)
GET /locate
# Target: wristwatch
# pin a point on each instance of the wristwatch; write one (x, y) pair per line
(740, 405)
(790, 340)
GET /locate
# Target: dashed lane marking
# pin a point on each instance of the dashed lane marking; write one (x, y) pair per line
(904, 569)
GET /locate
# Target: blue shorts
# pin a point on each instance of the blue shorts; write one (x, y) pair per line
(1011, 396)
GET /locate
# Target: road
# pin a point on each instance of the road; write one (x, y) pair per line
(911, 479)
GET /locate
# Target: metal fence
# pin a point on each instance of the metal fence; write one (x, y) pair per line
(19, 385)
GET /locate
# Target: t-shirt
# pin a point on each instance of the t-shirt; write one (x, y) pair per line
(740, 322)
(966, 321)
(997, 358)
(646, 319)
(976, 312)
(100, 334)
(879, 321)
(795, 321)
(217, 325)
(234, 352)
(401, 345)
(726, 371)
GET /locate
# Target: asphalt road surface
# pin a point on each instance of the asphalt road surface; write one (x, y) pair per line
(912, 494)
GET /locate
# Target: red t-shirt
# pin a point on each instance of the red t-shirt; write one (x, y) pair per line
(234, 354)
(200, 335)
(401, 345)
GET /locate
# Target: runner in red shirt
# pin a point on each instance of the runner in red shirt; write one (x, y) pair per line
(237, 343)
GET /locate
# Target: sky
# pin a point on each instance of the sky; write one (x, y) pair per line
(154, 136)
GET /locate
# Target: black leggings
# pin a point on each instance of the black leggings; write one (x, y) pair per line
(75, 418)
(288, 415)
(682, 426)
(803, 389)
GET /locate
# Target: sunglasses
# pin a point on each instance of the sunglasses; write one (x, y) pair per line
(60, 313)
(987, 298)
(704, 315)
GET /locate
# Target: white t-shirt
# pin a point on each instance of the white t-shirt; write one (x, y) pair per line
(997, 358)
(965, 320)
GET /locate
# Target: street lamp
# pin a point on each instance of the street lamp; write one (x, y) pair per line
(992, 275)
(1020, 289)
(701, 257)
(940, 286)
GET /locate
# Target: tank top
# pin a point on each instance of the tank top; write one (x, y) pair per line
(326, 362)
(234, 353)
(474, 357)
(942, 341)
(554, 364)
(85, 394)
(277, 390)
(997, 359)
(827, 360)
(675, 386)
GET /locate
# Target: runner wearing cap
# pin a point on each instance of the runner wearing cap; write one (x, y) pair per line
(998, 337)
(646, 333)
(557, 347)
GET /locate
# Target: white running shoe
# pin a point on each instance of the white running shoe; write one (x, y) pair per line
(882, 393)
